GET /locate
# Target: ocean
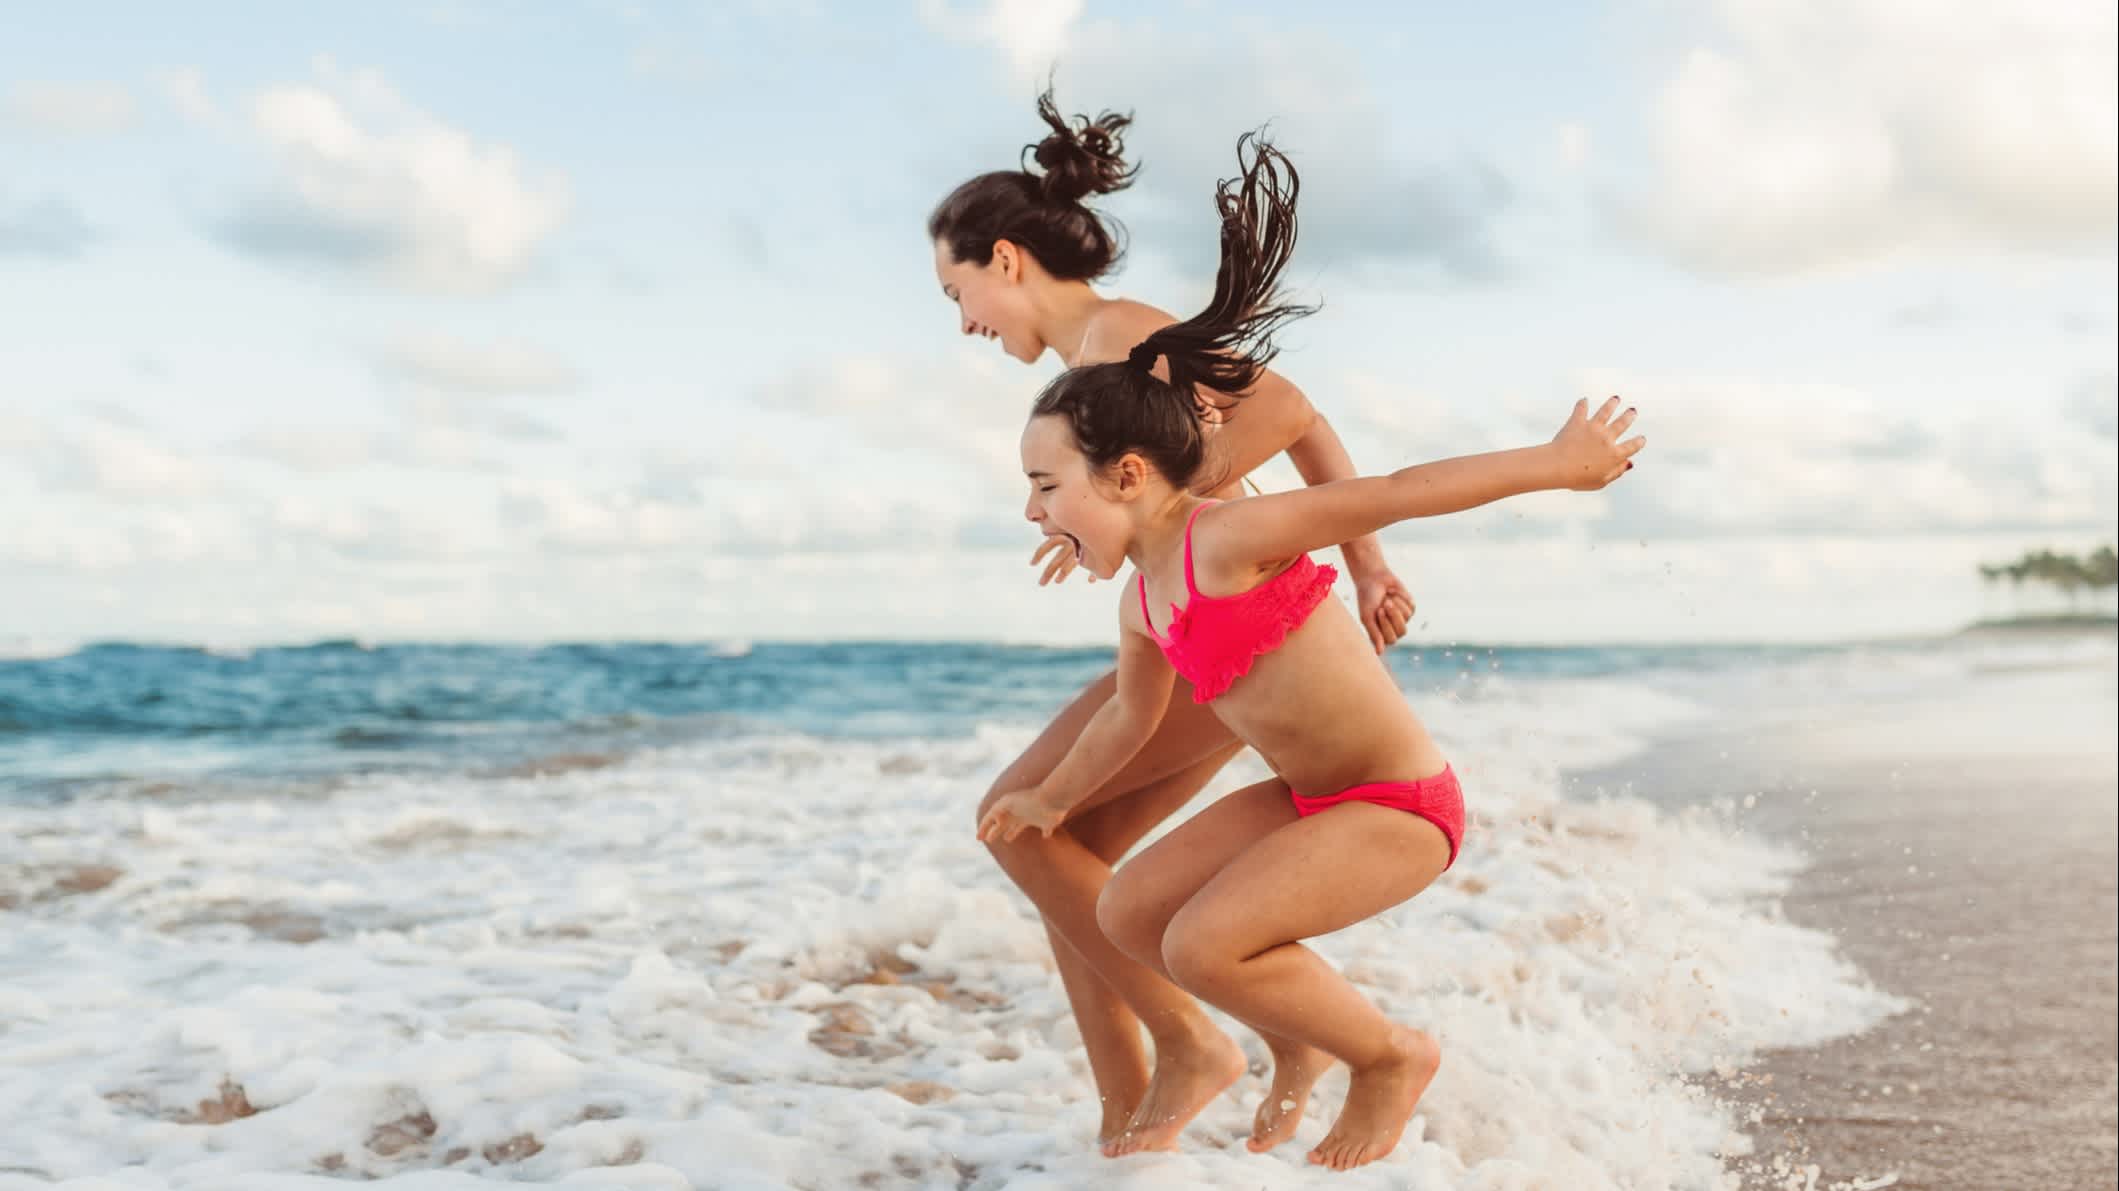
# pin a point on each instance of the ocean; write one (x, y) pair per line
(712, 915)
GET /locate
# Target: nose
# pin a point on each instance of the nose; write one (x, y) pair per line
(1032, 513)
(969, 327)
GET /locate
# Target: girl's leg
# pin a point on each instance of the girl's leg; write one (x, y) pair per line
(1118, 1057)
(1234, 945)
(1063, 875)
(1135, 912)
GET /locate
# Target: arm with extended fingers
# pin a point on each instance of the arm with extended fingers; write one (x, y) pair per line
(1585, 455)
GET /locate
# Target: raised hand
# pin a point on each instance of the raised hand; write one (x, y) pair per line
(1588, 448)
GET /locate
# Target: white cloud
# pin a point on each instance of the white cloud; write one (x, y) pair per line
(108, 457)
(966, 407)
(371, 532)
(1575, 143)
(873, 455)
(1032, 34)
(185, 89)
(2093, 404)
(313, 448)
(374, 184)
(1198, 88)
(70, 109)
(1730, 456)
(49, 227)
(1824, 134)
(478, 368)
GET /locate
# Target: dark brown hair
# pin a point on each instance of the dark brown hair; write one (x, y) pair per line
(1042, 212)
(1214, 357)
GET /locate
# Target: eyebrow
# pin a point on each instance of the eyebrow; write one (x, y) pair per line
(1039, 475)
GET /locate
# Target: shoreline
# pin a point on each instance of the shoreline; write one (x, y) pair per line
(1961, 849)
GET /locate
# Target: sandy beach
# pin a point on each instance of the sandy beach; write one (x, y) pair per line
(1962, 849)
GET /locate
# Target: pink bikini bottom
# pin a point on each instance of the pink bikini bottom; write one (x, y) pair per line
(1438, 799)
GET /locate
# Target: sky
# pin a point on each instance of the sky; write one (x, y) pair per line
(475, 320)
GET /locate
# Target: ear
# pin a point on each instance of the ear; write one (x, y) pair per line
(1009, 259)
(1130, 476)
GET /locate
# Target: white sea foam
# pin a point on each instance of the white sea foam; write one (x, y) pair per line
(780, 961)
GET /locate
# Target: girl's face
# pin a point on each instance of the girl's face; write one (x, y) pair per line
(991, 299)
(1068, 500)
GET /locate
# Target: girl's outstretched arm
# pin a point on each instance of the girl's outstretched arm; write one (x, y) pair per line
(1117, 731)
(1585, 455)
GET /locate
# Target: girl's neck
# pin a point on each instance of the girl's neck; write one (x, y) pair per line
(1160, 535)
(1065, 310)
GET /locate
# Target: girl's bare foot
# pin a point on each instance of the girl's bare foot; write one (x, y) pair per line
(1296, 1069)
(1117, 1115)
(1189, 1073)
(1379, 1102)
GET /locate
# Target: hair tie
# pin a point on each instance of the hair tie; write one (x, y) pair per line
(1143, 355)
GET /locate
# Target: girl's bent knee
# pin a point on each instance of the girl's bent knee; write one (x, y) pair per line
(1194, 959)
(1119, 916)
(1112, 916)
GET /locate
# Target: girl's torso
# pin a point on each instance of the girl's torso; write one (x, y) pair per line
(1318, 704)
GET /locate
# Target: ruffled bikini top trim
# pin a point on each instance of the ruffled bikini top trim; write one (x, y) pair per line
(1214, 640)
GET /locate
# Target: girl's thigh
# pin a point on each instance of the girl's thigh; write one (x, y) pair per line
(1152, 887)
(1314, 876)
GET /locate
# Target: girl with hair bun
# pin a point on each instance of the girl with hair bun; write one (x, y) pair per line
(1362, 811)
(1016, 250)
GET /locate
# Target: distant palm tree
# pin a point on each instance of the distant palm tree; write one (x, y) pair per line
(2065, 573)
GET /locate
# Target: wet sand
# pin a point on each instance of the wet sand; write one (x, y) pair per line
(1964, 848)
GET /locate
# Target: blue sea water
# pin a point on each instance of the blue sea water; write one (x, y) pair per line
(111, 717)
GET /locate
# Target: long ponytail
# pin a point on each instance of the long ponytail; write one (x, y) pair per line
(1214, 357)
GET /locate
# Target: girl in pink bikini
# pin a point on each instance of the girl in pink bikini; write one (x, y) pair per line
(1363, 811)
(1016, 252)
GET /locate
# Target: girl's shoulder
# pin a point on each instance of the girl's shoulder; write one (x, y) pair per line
(1117, 327)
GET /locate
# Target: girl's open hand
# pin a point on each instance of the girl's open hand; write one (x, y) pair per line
(1588, 448)
(1063, 561)
(1014, 813)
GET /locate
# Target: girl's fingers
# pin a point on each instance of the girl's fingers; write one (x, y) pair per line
(1620, 423)
(1604, 411)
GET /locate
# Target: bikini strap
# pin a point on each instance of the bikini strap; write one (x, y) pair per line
(1191, 585)
(1144, 617)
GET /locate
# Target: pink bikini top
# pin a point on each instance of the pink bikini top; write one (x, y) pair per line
(1213, 640)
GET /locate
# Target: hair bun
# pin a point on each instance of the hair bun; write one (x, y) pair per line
(1081, 159)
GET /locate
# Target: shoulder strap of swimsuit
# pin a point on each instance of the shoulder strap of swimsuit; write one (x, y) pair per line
(1145, 618)
(1191, 584)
